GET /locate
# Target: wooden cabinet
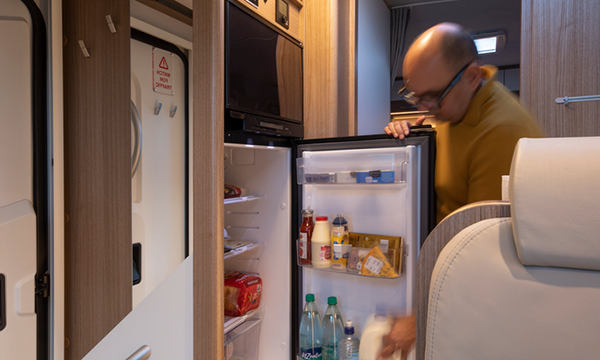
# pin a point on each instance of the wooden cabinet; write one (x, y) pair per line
(560, 47)
(97, 138)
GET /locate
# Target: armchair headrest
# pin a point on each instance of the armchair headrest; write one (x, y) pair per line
(555, 202)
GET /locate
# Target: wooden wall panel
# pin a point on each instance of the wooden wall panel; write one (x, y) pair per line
(560, 46)
(320, 71)
(433, 246)
(97, 172)
(329, 69)
(267, 10)
(346, 124)
(208, 175)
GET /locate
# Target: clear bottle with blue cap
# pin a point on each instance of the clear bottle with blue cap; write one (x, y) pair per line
(347, 347)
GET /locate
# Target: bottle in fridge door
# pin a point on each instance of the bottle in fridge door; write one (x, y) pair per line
(310, 331)
(306, 232)
(347, 347)
(339, 243)
(321, 244)
(375, 329)
(333, 329)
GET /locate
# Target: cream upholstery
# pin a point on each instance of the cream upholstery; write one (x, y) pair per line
(484, 303)
(555, 202)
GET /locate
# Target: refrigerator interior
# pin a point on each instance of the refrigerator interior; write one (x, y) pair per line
(262, 216)
(17, 216)
(391, 209)
(158, 183)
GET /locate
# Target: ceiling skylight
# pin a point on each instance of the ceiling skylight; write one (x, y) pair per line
(486, 45)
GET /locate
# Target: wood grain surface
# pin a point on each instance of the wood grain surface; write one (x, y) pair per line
(97, 137)
(435, 242)
(329, 69)
(320, 71)
(560, 47)
(347, 125)
(208, 175)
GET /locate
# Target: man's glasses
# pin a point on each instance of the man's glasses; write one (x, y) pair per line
(430, 102)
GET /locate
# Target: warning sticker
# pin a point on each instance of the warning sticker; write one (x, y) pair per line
(162, 71)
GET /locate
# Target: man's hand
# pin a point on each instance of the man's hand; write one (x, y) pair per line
(401, 129)
(402, 336)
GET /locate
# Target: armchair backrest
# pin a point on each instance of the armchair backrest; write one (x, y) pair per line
(526, 287)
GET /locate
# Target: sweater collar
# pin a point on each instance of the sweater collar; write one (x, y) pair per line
(488, 73)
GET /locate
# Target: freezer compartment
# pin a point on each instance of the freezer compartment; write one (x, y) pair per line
(360, 261)
(352, 167)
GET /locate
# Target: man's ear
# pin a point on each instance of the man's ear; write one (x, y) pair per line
(473, 76)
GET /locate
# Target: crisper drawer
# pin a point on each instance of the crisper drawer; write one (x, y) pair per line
(378, 166)
(242, 342)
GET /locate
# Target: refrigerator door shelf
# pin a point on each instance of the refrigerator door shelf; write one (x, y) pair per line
(352, 168)
(394, 259)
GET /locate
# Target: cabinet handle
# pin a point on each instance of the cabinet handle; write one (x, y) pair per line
(142, 353)
(569, 99)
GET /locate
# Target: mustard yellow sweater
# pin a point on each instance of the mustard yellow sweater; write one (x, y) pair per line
(473, 155)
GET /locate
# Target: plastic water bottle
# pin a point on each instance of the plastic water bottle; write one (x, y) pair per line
(310, 331)
(333, 329)
(347, 347)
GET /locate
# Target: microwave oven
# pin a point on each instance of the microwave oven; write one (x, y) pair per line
(263, 77)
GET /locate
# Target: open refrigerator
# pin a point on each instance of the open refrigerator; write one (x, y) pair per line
(380, 184)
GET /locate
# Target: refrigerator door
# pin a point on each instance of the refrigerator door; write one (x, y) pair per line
(382, 186)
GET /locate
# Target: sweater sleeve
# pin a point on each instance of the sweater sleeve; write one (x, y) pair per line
(490, 160)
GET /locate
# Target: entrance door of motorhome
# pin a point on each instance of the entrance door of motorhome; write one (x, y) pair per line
(24, 186)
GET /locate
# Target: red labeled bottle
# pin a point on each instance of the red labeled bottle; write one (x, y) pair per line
(306, 231)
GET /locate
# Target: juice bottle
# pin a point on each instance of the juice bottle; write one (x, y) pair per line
(306, 231)
(321, 244)
(339, 237)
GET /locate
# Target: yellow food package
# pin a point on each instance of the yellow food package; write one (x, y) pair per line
(376, 264)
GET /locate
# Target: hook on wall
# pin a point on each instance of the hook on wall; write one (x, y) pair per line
(84, 50)
(111, 25)
(157, 107)
(173, 111)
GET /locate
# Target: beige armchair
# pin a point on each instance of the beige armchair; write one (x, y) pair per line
(524, 283)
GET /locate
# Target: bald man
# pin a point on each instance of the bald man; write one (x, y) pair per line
(478, 124)
(478, 121)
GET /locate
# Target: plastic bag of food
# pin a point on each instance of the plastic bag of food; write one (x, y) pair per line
(377, 264)
(232, 191)
(242, 293)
